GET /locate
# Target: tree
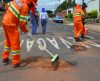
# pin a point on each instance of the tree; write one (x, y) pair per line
(65, 5)
(50, 13)
(93, 14)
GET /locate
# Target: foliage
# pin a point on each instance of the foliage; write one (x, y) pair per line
(50, 13)
(65, 5)
(70, 16)
(61, 7)
(93, 14)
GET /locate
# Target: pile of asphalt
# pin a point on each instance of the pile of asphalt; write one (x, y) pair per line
(46, 64)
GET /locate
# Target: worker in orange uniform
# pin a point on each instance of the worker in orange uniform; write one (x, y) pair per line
(16, 15)
(84, 6)
(78, 26)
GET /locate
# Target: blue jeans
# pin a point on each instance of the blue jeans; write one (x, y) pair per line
(43, 23)
(34, 23)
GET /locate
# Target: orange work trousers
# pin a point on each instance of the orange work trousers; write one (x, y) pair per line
(12, 43)
(78, 28)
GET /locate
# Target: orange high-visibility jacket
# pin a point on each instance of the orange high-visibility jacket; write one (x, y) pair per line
(78, 13)
(16, 15)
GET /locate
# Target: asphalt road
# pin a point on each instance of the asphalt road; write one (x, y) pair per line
(80, 65)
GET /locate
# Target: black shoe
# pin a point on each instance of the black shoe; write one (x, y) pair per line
(77, 39)
(5, 61)
(82, 36)
(43, 33)
(19, 65)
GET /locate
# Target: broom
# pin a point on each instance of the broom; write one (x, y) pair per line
(55, 58)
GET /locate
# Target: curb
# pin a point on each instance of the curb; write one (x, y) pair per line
(95, 28)
(92, 27)
(0, 29)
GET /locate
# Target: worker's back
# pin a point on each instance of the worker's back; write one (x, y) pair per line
(78, 13)
(13, 11)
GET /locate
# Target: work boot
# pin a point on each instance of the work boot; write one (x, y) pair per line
(5, 61)
(77, 39)
(82, 36)
(19, 65)
(43, 33)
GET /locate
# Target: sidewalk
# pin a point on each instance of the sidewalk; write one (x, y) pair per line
(94, 27)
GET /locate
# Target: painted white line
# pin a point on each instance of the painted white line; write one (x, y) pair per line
(87, 35)
(90, 37)
(29, 44)
(92, 43)
(70, 38)
(65, 42)
(2, 42)
(87, 46)
(41, 44)
(53, 42)
(21, 42)
(93, 32)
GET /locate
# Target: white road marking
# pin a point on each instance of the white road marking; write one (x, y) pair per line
(65, 42)
(29, 44)
(92, 43)
(53, 42)
(87, 36)
(21, 42)
(42, 42)
(90, 37)
(93, 32)
(70, 38)
(2, 42)
(87, 46)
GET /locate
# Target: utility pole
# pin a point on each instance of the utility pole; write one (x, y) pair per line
(82, 1)
(67, 1)
(74, 4)
(99, 11)
(59, 2)
(2, 1)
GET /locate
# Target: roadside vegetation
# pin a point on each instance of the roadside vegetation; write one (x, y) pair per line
(92, 15)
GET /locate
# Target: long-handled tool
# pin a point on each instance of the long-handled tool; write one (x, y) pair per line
(55, 58)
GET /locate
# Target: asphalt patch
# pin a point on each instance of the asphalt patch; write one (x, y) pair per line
(78, 48)
(46, 64)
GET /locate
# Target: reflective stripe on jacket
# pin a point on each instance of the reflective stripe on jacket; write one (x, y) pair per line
(16, 15)
(78, 14)
(16, 12)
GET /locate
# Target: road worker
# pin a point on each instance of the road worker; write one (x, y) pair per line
(16, 15)
(34, 16)
(84, 6)
(78, 26)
